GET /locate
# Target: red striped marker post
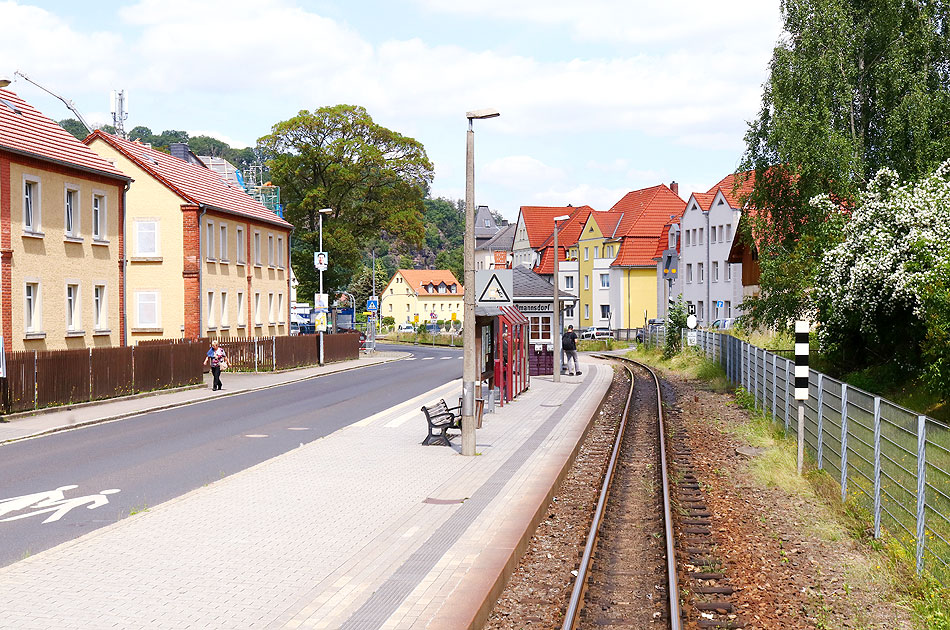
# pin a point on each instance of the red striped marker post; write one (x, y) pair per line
(801, 384)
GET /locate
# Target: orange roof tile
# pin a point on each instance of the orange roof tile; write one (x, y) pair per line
(417, 279)
(193, 183)
(608, 222)
(539, 222)
(735, 196)
(646, 211)
(25, 130)
(636, 251)
(704, 200)
(546, 264)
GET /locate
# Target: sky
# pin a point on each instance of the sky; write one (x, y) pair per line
(597, 98)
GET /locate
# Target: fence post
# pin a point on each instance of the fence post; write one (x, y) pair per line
(274, 351)
(844, 442)
(788, 378)
(89, 397)
(256, 353)
(35, 380)
(821, 416)
(877, 466)
(921, 489)
(774, 383)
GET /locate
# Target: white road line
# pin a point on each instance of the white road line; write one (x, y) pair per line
(419, 400)
(447, 358)
(260, 435)
(430, 358)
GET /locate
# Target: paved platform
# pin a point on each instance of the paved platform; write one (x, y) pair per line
(365, 528)
(30, 424)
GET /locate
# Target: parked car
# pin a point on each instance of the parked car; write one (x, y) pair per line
(597, 332)
(723, 324)
(352, 331)
(405, 328)
(432, 328)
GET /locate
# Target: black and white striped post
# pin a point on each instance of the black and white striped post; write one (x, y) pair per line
(801, 384)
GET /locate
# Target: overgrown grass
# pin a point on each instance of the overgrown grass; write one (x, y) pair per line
(601, 345)
(687, 362)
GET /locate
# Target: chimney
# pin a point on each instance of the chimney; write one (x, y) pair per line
(179, 150)
(673, 186)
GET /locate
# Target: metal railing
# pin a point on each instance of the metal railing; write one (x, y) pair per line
(893, 461)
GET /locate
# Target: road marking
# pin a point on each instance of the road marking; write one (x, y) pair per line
(447, 358)
(260, 435)
(430, 358)
(53, 502)
(416, 402)
(308, 428)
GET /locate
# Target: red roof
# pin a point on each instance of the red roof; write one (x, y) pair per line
(608, 222)
(646, 211)
(636, 251)
(705, 200)
(546, 264)
(24, 129)
(193, 183)
(735, 196)
(539, 222)
(419, 278)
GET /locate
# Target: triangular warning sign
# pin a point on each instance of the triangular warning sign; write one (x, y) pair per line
(494, 292)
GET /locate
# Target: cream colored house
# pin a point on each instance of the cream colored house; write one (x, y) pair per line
(414, 295)
(61, 217)
(205, 259)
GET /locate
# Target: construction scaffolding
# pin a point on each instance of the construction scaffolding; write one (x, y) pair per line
(264, 192)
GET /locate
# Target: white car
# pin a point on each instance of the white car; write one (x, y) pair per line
(597, 332)
(405, 328)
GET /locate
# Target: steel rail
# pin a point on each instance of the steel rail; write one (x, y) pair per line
(574, 604)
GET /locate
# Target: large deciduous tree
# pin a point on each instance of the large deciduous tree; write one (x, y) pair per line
(374, 180)
(854, 86)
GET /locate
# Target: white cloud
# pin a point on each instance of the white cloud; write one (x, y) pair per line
(519, 172)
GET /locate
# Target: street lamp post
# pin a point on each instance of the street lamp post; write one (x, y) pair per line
(322, 212)
(556, 323)
(469, 366)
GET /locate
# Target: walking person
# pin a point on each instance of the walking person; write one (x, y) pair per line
(218, 359)
(569, 345)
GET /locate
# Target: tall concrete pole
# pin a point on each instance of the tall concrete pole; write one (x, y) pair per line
(469, 367)
(556, 324)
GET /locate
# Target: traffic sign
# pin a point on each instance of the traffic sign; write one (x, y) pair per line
(691, 309)
(691, 321)
(454, 316)
(372, 304)
(493, 287)
(719, 303)
(415, 318)
(433, 316)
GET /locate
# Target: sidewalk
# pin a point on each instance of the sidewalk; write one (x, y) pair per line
(365, 528)
(23, 425)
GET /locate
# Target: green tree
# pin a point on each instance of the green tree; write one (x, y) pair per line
(374, 180)
(453, 260)
(854, 86)
(74, 127)
(675, 323)
(362, 284)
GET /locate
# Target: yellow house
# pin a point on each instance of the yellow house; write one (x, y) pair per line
(415, 295)
(61, 241)
(205, 259)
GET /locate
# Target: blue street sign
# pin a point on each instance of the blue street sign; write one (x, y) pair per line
(372, 305)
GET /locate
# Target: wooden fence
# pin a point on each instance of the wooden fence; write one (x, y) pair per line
(37, 379)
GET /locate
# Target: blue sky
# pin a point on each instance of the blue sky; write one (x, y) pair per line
(597, 98)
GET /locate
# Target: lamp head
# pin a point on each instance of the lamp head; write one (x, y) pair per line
(4, 81)
(563, 217)
(482, 113)
(325, 210)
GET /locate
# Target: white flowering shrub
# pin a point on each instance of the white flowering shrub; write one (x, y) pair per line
(883, 294)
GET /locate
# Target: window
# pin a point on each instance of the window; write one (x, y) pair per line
(700, 242)
(596, 251)
(99, 307)
(257, 308)
(147, 308)
(240, 245)
(539, 329)
(586, 253)
(728, 308)
(699, 272)
(569, 311)
(72, 307)
(728, 269)
(270, 308)
(280, 252)
(209, 314)
(209, 244)
(587, 283)
(146, 238)
(721, 233)
(687, 238)
(568, 282)
(729, 232)
(609, 251)
(240, 309)
(223, 320)
(689, 271)
(270, 250)
(31, 205)
(715, 271)
(712, 235)
(487, 222)
(604, 281)
(280, 308)
(223, 242)
(699, 309)
(587, 311)
(257, 248)
(99, 217)
(32, 307)
(605, 311)
(72, 212)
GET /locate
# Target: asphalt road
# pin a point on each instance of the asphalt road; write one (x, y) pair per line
(157, 456)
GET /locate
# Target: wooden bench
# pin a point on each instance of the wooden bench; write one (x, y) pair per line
(440, 418)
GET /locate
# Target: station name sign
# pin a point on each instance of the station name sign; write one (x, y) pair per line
(534, 307)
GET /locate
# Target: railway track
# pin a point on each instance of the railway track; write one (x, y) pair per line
(650, 556)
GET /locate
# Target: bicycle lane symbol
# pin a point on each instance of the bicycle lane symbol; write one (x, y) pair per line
(52, 502)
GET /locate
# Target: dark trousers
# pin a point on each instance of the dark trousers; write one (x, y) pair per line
(216, 373)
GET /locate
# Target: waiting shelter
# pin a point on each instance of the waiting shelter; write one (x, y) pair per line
(534, 297)
(501, 334)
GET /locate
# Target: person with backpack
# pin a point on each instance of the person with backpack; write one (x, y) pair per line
(569, 345)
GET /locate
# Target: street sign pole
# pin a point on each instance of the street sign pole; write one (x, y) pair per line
(801, 385)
